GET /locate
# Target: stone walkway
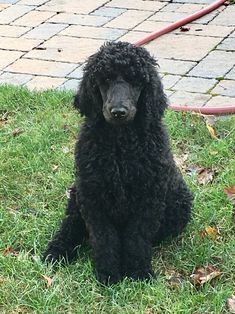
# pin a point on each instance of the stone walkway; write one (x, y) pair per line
(44, 43)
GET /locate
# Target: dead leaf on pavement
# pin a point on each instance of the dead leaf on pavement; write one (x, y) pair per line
(231, 304)
(184, 29)
(204, 274)
(48, 281)
(10, 251)
(230, 192)
(17, 131)
(205, 176)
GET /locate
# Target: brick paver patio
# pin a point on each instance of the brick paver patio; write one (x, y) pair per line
(44, 43)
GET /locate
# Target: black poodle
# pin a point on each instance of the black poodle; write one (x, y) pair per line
(128, 194)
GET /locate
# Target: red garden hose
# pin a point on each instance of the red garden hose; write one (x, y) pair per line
(177, 24)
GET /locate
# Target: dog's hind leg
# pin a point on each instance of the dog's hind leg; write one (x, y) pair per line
(72, 232)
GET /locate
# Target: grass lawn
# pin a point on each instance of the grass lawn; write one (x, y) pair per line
(37, 136)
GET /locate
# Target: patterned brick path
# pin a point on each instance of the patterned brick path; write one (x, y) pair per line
(44, 43)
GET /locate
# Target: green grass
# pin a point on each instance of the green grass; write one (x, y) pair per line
(37, 166)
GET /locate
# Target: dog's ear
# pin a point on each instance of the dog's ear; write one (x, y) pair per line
(88, 98)
(153, 101)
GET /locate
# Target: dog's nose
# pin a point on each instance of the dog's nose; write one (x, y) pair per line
(118, 112)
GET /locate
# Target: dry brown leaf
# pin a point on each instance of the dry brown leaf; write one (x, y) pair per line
(212, 131)
(48, 281)
(180, 161)
(230, 192)
(55, 168)
(204, 274)
(10, 251)
(231, 304)
(205, 176)
(174, 278)
(65, 150)
(17, 131)
(211, 232)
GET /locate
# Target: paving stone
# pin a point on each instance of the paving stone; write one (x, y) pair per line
(216, 64)
(195, 84)
(182, 47)
(33, 18)
(73, 6)
(7, 57)
(231, 74)
(71, 84)
(66, 49)
(177, 15)
(108, 11)
(206, 30)
(129, 19)
(169, 80)
(162, 16)
(14, 78)
(195, 1)
(227, 44)
(137, 4)
(12, 31)
(171, 7)
(133, 36)
(3, 6)
(45, 31)
(9, 1)
(88, 20)
(20, 43)
(32, 2)
(221, 101)
(232, 34)
(225, 88)
(13, 12)
(41, 67)
(150, 26)
(77, 73)
(189, 7)
(44, 83)
(189, 99)
(93, 32)
(170, 66)
(225, 17)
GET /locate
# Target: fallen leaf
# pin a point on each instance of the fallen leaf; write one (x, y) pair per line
(48, 281)
(180, 161)
(174, 278)
(39, 48)
(205, 176)
(204, 274)
(193, 169)
(10, 251)
(4, 118)
(184, 29)
(230, 192)
(17, 131)
(55, 168)
(211, 232)
(231, 304)
(65, 150)
(212, 131)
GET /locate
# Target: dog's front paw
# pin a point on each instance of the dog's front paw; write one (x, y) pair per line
(53, 256)
(107, 278)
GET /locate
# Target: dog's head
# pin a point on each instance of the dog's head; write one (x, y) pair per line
(119, 81)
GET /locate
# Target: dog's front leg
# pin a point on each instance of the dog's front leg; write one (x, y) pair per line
(106, 250)
(137, 249)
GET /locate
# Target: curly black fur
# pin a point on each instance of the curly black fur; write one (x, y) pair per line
(128, 194)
